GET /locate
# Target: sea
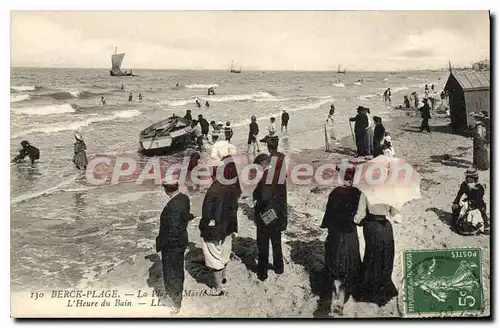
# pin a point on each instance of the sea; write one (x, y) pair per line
(65, 232)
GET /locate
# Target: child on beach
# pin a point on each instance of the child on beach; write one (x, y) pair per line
(252, 134)
(228, 131)
(272, 127)
(387, 147)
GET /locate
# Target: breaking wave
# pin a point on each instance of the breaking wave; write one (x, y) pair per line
(23, 87)
(339, 85)
(201, 86)
(18, 98)
(45, 110)
(258, 96)
(71, 94)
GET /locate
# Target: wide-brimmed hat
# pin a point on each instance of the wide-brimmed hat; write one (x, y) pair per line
(360, 108)
(78, 136)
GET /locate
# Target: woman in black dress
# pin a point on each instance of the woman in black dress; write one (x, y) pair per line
(342, 257)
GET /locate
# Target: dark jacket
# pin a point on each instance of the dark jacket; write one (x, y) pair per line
(285, 117)
(361, 123)
(341, 208)
(31, 151)
(378, 132)
(254, 129)
(426, 111)
(220, 207)
(204, 125)
(475, 194)
(188, 117)
(173, 223)
(228, 132)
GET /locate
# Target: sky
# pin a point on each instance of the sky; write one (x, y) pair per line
(255, 40)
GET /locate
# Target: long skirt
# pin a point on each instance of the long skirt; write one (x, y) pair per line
(217, 253)
(342, 260)
(80, 159)
(369, 141)
(376, 282)
(480, 154)
(329, 136)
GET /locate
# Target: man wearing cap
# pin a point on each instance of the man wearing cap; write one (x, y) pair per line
(172, 241)
(425, 111)
(360, 125)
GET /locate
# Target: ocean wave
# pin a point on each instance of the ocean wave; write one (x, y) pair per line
(23, 87)
(71, 94)
(397, 89)
(357, 83)
(258, 96)
(18, 98)
(366, 97)
(201, 86)
(339, 85)
(314, 105)
(45, 110)
(75, 125)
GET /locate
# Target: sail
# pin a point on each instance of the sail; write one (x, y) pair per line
(116, 61)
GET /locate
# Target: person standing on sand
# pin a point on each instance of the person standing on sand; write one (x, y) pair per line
(426, 91)
(27, 150)
(219, 221)
(480, 153)
(80, 156)
(378, 136)
(342, 265)
(228, 131)
(330, 130)
(406, 102)
(253, 131)
(369, 133)
(270, 218)
(415, 98)
(425, 111)
(376, 284)
(284, 120)
(204, 126)
(361, 123)
(172, 241)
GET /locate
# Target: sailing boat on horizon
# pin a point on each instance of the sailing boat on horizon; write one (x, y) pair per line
(233, 70)
(116, 63)
(340, 71)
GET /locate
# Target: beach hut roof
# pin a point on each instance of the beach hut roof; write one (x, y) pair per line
(470, 80)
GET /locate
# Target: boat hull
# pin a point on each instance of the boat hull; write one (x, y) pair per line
(148, 148)
(120, 73)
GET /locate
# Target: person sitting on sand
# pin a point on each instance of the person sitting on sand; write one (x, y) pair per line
(80, 156)
(253, 131)
(102, 102)
(342, 264)
(130, 97)
(27, 150)
(474, 191)
(407, 102)
(387, 147)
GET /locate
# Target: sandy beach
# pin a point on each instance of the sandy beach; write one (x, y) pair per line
(423, 224)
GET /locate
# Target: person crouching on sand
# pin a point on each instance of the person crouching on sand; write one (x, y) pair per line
(27, 150)
(80, 157)
(342, 265)
(172, 241)
(253, 131)
(219, 222)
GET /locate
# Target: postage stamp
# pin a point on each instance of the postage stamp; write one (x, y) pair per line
(443, 282)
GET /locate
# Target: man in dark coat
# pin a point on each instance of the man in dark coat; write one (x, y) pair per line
(361, 123)
(188, 115)
(271, 194)
(204, 125)
(172, 242)
(425, 111)
(28, 150)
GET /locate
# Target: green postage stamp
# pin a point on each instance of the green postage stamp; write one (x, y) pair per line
(443, 282)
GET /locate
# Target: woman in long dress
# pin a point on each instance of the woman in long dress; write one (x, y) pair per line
(342, 258)
(480, 153)
(219, 222)
(330, 130)
(80, 156)
(369, 133)
(376, 284)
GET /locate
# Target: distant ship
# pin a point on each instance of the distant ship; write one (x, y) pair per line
(234, 70)
(340, 71)
(116, 62)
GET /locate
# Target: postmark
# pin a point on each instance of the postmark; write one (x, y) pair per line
(443, 282)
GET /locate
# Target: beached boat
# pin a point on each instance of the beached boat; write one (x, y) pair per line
(340, 71)
(233, 70)
(116, 63)
(166, 137)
